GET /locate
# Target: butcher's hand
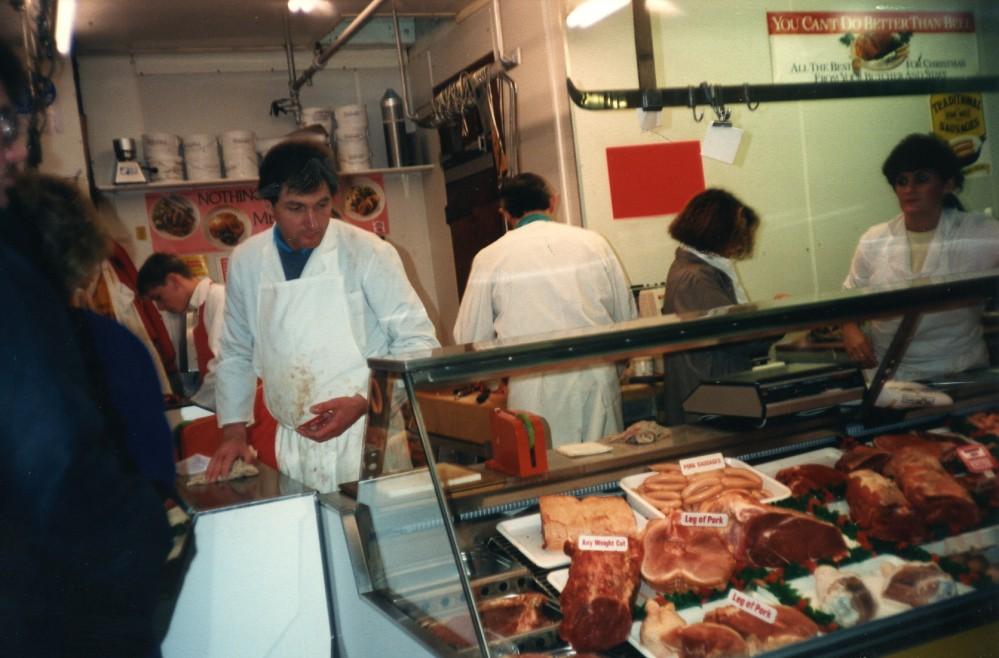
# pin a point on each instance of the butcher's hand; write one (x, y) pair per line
(858, 346)
(234, 446)
(333, 417)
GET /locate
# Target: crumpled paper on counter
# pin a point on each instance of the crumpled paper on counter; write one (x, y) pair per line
(640, 433)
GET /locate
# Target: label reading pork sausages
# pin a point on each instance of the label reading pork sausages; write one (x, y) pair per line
(753, 606)
(602, 543)
(711, 462)
(704, 519)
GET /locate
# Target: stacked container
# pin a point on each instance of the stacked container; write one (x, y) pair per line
(201, 155)
(239, 154)
(351, 136)
(162, 153)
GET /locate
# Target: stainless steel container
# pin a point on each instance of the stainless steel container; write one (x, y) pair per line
(394, 125)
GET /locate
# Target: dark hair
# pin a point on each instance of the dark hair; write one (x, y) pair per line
(525, 192)
(12, 75)
(710, 222)
(154, 271)
(301, 165)
(925, 151)
(73, 243)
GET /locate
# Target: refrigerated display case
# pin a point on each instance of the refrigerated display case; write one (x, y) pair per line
(421, 542)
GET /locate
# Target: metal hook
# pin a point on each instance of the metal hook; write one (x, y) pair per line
(745, 92)
(714, 96)
(692, 105)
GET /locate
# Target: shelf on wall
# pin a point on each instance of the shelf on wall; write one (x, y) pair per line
(229, 182)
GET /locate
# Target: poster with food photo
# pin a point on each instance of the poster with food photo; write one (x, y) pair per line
(825, 46)
(362, 202)
(205, 221)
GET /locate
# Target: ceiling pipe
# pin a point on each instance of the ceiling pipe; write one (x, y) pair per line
(320, 61)
(403, 73)
(289, 54)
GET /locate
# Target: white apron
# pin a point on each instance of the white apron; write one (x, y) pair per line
(944, 342)
(579, 405)
(307, 353)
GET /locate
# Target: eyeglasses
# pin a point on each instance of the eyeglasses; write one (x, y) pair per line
(10, 127)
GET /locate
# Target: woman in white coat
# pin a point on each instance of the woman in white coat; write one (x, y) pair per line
(931, 237)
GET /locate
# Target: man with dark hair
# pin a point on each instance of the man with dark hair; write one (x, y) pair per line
(85, 535)
(307, 303)
(545, 276)
(167, 281)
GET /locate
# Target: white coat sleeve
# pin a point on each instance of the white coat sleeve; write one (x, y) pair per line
(624, 302)
(395, 304)
(859, 275)
(214, 321)
(475, 321)
(235, 379)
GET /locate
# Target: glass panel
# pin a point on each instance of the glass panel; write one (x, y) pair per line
(410, 559)
(811, 169)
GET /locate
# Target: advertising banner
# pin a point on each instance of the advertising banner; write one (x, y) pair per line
(819, 46)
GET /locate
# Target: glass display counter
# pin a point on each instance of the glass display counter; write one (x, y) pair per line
(422, 535)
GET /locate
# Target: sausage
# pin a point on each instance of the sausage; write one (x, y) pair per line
(668, 506)
(669, 481)
(659, 497)
(739, 482)
(695, 488)
(706, 475)
(665, 467)
(703, 494)
(744, 474)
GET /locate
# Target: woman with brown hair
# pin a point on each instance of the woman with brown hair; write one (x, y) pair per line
(714, 230)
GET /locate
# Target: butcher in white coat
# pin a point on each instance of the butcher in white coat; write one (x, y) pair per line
(307, 302)
(545, 276)
(931, 237)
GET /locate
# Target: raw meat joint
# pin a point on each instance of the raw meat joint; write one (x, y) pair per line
(917, 584)
(878, 506)
(597, 599)
(664, 633)
(768, 536)
(931, 490)
(564, 518)
(790, 626)
(863, 456)
(808, 477)
(844, 596)
(681, 558)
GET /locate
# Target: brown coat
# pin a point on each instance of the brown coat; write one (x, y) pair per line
(693, 285)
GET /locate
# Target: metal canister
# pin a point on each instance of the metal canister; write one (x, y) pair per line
(394, 125)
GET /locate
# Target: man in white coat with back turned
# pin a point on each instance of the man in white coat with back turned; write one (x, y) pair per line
(307, 303)
(545, 276)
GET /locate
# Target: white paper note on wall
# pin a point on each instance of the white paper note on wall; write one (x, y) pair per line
(721, 143)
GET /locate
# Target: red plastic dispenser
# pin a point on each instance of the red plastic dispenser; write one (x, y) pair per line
(520, 443)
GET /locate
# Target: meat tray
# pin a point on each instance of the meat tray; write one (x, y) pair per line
(630, 485)
(525, 534)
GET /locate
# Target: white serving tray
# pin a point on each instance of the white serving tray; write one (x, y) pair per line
(631, 484)
(525, 534)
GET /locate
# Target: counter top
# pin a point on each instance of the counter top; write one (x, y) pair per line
(268, 485)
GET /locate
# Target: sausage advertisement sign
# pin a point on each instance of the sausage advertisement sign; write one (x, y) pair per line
(822, 46)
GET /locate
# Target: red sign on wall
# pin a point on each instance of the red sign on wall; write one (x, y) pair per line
(653, 179)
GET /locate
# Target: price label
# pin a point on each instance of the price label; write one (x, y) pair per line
(753, 606)
(703, 520)
(602, 543)
(976, 458)
(711, 462)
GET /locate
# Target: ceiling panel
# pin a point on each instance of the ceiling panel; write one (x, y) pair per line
(156, 25)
